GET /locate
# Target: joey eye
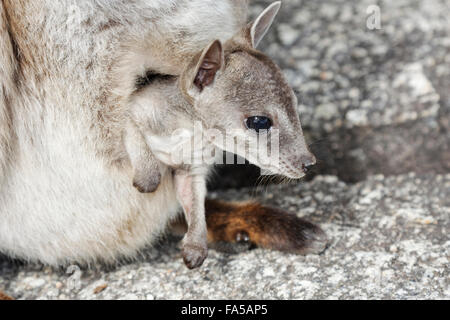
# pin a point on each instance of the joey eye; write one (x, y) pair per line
(259, 123)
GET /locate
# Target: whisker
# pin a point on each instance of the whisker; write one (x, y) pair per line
(317, 141)
(257, 185)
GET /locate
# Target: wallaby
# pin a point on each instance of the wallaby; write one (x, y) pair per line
(86, 116)
(216, 89)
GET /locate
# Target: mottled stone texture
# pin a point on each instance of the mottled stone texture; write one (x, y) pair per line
(372, 102)
(389, 241)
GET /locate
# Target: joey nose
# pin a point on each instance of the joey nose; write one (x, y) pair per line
(307, 162)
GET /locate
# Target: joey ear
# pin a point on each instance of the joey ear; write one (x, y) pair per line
(211, 61)
(262, 24)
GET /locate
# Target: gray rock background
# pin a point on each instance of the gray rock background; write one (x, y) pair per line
(389, 241)
(375, 105)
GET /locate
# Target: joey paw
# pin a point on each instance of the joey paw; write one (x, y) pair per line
(147, 184)
(194, 255)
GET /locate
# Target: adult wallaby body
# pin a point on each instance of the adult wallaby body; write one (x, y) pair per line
(71, 141)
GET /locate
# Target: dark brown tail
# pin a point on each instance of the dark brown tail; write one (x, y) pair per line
(4, 297)
(242, 224)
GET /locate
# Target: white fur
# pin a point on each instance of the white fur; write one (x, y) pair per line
(66, 197)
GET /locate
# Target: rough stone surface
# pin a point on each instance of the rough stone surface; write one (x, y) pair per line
(390, 240)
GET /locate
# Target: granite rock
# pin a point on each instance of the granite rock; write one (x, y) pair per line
(389, 240)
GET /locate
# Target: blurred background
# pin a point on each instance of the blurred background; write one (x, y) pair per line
(374, 95)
